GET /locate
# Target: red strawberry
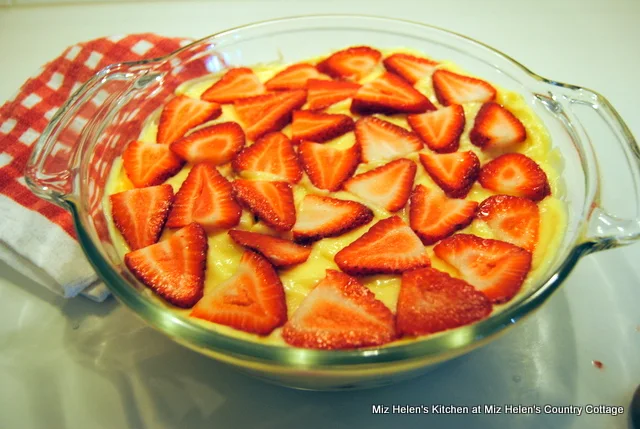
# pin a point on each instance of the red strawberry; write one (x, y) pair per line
(269, 112)
(234, 85)
(409, 67)
(452, 88)
(387, 186)
(432, 301)
(440, 129)
(318, 127)
(454, 172)
(320, 217)
(328, 167)
(273, 154)
(512, 219)
(323, 93)
(496, 127)
(389, 247)
(389, 94)
(494, 267)
(380, 139)
(252, 300)
(205, 197)
(140, 214)
(183, 113)
(173, 268)
(280, 252)
(149, 164)
(340, 313)
(216, 144)
(293, 77)
(270, 201)
(515, 174)
(352, 63)
(433, 216)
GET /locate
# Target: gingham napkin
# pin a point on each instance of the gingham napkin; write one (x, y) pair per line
(36, 237)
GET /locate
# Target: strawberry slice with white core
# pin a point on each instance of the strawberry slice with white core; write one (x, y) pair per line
(268, 112)
(388, 186)
(433, 216)
(216, 144)
(173, 268)
(515, 174)
(324, 93)
(389, 247)
(293, 77)
(410, 67)
(389, 94)
(320, 217)
(381, 140)
(352, 63)
(140, 214)
(149, 164)
(512, 219)
(340, 313)
(272, 202)
(272, 153)
(236, 84)
(280, 252)
(319, 127)
(452, 88)
(252, 300)
(440, 129)
(183, 113)
(205, 197)
(496, 128)
(328, 167)
(496, 268)
(455, 173)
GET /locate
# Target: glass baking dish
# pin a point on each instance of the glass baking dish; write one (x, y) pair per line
(71, 162)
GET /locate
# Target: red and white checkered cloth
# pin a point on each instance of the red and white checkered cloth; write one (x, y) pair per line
(36, 237)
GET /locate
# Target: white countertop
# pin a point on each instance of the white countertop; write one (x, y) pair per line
(77, 364)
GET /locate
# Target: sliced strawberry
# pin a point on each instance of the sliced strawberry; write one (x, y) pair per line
(389, 94)
(494, 267)
(515, 174)
(280, 252)
(234, 85)
(352, 63)
(433, 216)
(496, 127)
(293, 77)
(140, 214)
(149, 164)
(381, 140)
(389, 247)
(340, 313)
(452, 88)
(455, 172)
(269, 112)
(409, 67)
(252, 300)
(432, 301)
(440, 129)
(183, 113)
(319, 127)
(273, 154)
(388, 186)
(320, 217)
(328, 167)
(270, 201)
(173, 268)
(205, 197)
(216, 144)
(512, 219)
(323, 93)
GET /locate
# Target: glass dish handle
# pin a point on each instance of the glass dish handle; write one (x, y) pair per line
(614, 218)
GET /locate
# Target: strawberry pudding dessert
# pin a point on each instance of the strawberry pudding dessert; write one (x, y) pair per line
(366, 198)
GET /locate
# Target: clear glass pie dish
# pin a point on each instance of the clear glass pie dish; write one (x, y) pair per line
(72, 160)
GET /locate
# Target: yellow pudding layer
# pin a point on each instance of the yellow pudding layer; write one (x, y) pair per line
(224, 254)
